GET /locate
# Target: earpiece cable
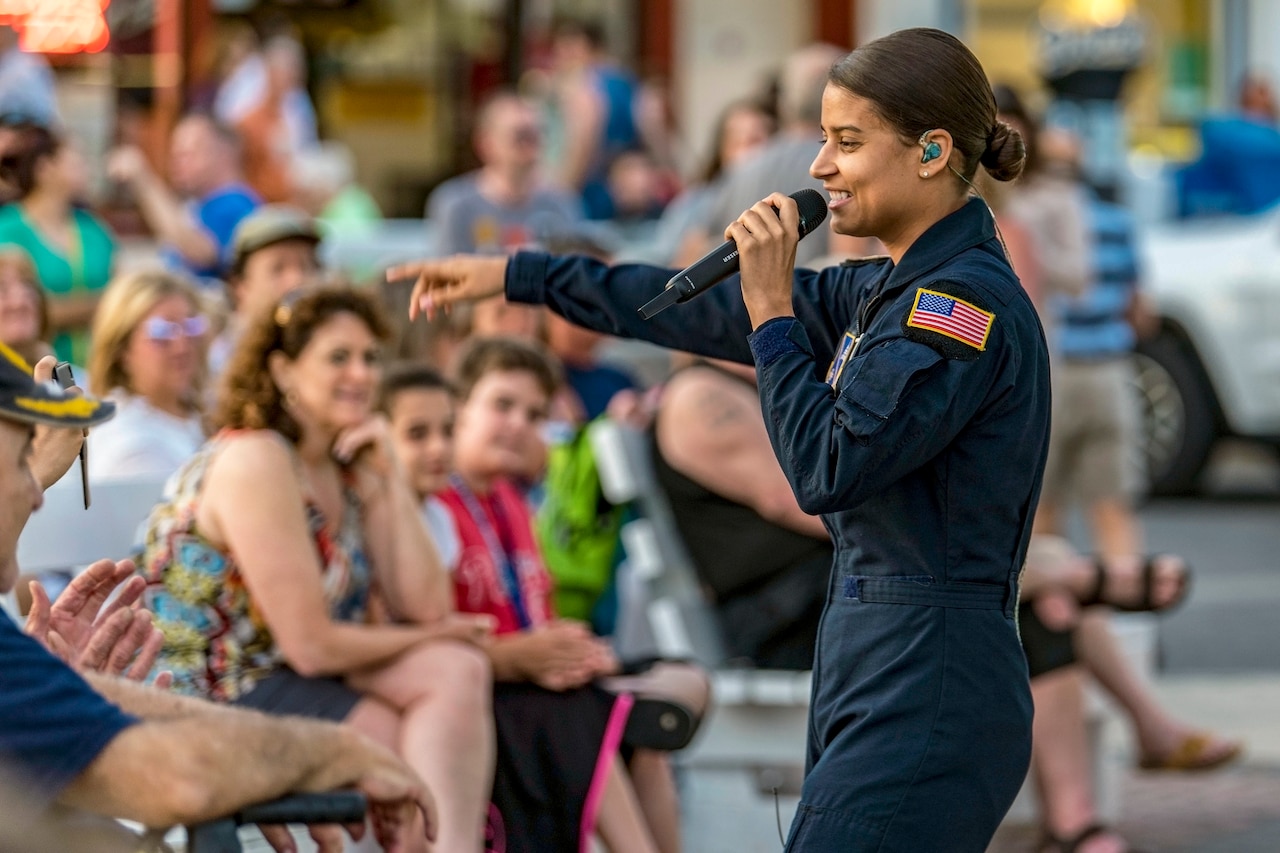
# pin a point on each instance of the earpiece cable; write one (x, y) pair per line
(999, 234)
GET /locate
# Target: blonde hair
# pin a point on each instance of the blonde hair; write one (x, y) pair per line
(128, 299)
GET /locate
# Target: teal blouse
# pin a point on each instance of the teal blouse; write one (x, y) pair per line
(86, 269)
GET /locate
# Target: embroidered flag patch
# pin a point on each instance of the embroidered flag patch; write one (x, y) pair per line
(955, 318)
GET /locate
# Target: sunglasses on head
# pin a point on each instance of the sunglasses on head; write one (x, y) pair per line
(160, 329)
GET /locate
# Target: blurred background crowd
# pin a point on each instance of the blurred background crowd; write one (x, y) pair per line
(172, 170)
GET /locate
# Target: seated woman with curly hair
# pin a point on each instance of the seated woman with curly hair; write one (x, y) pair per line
(289, 571)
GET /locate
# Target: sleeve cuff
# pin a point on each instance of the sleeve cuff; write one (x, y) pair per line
(527, 277)
(776, 338)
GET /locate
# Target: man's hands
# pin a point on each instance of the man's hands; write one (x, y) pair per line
(766, 236)
(53, 449)
(400, 806)
(440, 284)
(90, 633)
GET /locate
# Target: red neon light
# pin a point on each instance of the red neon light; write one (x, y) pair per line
(58, 26)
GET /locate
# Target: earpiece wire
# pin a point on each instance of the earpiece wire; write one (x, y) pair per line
(999, 234)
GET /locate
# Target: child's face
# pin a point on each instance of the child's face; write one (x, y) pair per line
(422, 431)
(500, 423)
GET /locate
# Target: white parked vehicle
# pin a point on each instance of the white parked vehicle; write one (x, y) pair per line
(1214, 368)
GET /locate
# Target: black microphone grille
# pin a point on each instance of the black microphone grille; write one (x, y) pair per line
(813, 209)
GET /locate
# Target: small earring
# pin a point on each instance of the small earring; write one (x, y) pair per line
(924, 173)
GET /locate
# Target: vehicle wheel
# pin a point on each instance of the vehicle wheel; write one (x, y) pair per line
(1178, 415)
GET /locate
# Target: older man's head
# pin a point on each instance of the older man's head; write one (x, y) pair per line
(24, 406)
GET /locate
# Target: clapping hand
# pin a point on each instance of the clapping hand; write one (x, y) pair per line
(90, 632)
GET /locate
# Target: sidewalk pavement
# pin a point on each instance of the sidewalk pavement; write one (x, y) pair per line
(1232, 810)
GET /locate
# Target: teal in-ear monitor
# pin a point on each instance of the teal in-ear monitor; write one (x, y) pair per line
(932, 150)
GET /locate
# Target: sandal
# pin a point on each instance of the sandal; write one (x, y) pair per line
(1193, 754)
(1144, 604)
(1054, 844)
(659, 724)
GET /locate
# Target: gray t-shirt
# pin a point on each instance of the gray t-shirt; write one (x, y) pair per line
(464, 220)
(781, 166)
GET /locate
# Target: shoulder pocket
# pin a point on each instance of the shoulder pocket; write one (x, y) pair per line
(879, 379)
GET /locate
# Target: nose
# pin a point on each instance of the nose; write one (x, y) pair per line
(822, 165)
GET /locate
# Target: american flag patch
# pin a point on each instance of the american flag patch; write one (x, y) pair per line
(955, 318)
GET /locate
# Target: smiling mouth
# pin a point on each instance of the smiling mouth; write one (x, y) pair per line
(839, 196)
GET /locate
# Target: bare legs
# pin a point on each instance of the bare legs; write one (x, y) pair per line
(651, 773)
(1157, 733)
(1060, 759)
(620, 823)
(441, 694)
(655, 789)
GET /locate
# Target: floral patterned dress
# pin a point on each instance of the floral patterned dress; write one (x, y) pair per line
(215, 640)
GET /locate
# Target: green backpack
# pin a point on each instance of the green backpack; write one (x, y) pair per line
(577, 527)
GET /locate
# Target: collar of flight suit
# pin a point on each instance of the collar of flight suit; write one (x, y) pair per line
(956, 232)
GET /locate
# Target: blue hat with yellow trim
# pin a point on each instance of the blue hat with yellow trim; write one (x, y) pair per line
(24, 399)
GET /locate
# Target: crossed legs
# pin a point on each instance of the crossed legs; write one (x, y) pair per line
(433, 706)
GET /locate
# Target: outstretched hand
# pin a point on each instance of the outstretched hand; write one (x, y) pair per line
(441, 284)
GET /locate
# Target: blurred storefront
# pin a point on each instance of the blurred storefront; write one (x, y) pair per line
(1171, 63)
(397, 80)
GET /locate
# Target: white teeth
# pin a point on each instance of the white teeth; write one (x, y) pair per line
(837, 195)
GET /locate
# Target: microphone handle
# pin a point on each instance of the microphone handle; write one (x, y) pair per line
(688, 288)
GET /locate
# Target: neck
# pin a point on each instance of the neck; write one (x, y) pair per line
(506, 187)
(168, 403)
(480, 484)
(45, 206)
(898, 244)
(315, 448)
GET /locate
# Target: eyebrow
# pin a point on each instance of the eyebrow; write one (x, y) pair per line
(845, 127)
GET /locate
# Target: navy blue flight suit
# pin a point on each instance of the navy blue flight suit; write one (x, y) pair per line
(924, 456)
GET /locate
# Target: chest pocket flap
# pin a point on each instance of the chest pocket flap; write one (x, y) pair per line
(879, 378)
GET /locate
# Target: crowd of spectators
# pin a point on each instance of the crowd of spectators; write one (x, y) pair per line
(360, 545)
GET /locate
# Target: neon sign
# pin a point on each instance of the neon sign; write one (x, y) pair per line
(58, 26)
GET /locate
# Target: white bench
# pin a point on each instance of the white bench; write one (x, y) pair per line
(64, 536)
(758, 720)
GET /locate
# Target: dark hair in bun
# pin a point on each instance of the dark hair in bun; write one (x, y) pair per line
(1006, 152)
(924, 79)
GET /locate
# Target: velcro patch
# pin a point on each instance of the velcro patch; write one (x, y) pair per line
(958, 328)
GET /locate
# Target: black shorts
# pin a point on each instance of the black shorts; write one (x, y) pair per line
(1046, 649)
(284, 692)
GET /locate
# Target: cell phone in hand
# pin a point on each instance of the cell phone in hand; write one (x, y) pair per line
(62, 374)
(65, 378)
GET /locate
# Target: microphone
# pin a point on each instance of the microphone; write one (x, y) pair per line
(722, 262)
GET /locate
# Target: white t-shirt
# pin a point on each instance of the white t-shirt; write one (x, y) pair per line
(443, 530)
(141, 441)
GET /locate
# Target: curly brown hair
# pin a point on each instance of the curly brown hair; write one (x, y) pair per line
(248, 397)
